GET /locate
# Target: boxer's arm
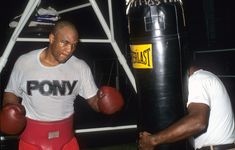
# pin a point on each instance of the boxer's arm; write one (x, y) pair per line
(10, 98)
(193, 123)
(93, 102)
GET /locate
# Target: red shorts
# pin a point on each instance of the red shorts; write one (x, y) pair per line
(56, 135)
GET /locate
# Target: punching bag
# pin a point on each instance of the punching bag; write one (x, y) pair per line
(156, 32)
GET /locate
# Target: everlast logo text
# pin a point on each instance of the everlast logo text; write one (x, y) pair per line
(141, 56)
(53, 88)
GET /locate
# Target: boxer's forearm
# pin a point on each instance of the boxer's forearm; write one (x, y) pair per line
(10, 98)
(193, 123)
(93, 102)
(183, 129)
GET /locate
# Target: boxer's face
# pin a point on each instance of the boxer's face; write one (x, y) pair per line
(63, 44)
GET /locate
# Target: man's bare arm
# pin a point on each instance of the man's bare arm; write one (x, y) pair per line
(93, 102)
(193, 123)
(10, 98)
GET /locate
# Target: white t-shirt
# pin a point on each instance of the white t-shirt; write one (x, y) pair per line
(48, 93)
(205, 87)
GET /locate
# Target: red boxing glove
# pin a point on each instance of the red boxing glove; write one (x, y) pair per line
(110, 100)
(13, 119)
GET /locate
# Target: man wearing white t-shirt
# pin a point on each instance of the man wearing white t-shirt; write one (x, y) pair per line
(47, 81)
(210, 118)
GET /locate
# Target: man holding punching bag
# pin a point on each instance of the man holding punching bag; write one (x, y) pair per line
(210, 118)
(38, 100)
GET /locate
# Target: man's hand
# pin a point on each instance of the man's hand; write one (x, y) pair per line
(146, 141)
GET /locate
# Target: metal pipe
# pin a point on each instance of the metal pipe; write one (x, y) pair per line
(32, 4)
(74, 8)
(124, 127)
(111, 19)
(120, 56)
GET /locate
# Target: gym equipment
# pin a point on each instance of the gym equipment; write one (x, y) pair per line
(158, 49)
(110, 100)
(13, 119)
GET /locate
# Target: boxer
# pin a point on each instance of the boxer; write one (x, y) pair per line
(47, 81)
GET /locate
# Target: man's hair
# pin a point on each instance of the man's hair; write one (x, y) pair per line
(195, 63)
(61, 24)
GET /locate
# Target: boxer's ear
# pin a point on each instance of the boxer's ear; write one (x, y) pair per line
(51, 38)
